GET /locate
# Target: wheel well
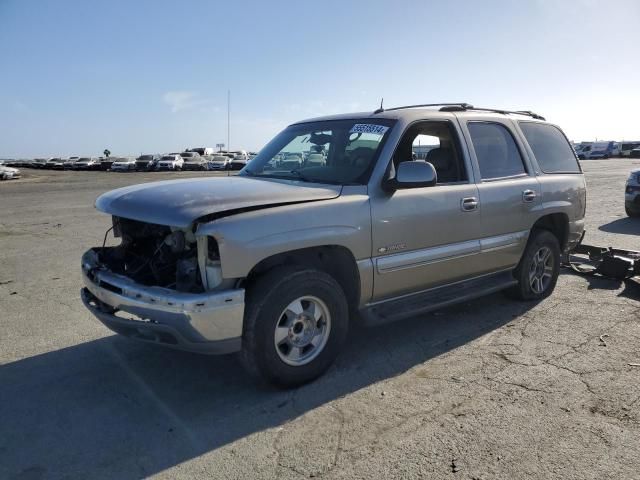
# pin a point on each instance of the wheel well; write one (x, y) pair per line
(556, 223)
(335, 260)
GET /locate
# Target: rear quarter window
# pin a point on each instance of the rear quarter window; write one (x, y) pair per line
(550, 147)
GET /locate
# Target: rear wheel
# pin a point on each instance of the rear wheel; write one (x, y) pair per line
(538, 270)
(295, 323)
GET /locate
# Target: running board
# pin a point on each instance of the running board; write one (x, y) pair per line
(435, 298)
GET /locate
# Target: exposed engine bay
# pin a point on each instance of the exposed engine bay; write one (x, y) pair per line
(154, 255)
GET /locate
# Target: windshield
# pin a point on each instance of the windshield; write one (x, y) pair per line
(334, 151)
(145, 157)
(171, 159)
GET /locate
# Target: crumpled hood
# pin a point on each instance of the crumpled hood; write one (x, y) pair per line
(178, 203)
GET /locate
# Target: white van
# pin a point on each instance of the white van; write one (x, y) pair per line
(202, 150)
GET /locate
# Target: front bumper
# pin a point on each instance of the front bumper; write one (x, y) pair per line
(208, 322)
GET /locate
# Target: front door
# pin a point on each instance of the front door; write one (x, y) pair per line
(425, 237)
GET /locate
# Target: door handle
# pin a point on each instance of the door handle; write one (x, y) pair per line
(528, 196)
(469, 204)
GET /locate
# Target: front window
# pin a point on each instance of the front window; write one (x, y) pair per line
(334, 151)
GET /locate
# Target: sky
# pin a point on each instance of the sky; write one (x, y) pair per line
(79, 76)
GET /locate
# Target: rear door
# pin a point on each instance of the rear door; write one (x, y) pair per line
(508, 189)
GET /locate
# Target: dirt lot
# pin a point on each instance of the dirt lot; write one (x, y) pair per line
(490, 389)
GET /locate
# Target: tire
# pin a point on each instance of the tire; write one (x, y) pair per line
(631, 213)
(271, 325)
(542, 246)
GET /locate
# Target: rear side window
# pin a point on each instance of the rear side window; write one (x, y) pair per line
(550, 147)
(496, 150)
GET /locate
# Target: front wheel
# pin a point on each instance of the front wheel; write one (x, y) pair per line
(538, 270)
(295, 323)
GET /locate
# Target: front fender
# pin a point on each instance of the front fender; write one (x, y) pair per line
(245, 239)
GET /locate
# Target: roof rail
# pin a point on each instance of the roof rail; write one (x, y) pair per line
(461, 107)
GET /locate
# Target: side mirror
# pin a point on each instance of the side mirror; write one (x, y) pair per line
(413, 174)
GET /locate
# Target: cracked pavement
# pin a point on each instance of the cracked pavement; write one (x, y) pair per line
(489, 389)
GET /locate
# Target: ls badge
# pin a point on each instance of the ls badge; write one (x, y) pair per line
(392, 248)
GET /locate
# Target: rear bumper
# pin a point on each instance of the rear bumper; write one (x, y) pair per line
(208, 322)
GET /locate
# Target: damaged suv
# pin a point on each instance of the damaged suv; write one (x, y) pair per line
(413, 209)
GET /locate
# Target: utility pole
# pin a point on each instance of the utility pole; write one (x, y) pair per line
(228, 120)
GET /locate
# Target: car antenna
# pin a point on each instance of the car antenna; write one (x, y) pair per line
(381, 109)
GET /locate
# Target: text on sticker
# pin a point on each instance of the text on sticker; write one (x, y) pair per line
(368, 128)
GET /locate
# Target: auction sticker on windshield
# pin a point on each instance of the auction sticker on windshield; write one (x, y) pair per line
(368, 128)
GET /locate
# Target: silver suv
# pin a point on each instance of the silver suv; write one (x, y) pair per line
(412, 209)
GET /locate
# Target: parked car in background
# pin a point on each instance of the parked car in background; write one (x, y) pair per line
(87, 163)
(219, 162)
(69, 162)
(147, 161)
(8, 173)
(193, 161)
(291, 161)
(635, 153)
(237, 163)
(172, 161)
(123, 164)
(106, 162)
(39, 162)
(315, 160)
(627, 147)
(54, 164)
(632, 193)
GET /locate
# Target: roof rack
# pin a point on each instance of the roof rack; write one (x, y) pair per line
(462, 107)
(528, 113)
